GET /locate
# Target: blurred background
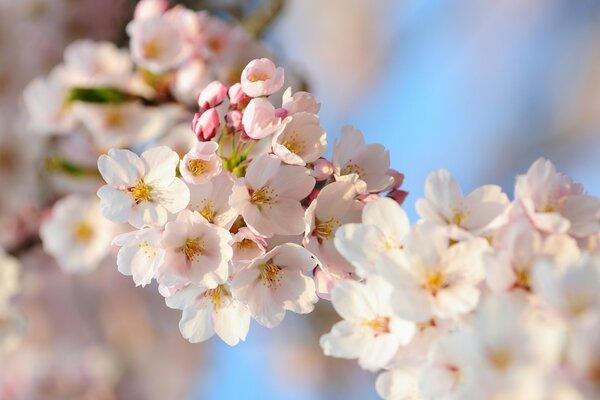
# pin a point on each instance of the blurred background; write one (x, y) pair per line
(479, 88)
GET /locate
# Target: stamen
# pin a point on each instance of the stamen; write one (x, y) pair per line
(151, 50)
(271, 274)
(434, 282)
(352, 168)
(293, 143)
(192, 249)
(324, 230)
(263, 196)
(379, 325)
(83, 232)
(217, 296)
(198, 167)
(258, 77)
(141, 191)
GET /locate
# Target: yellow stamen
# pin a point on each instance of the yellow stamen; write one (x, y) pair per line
(198, 167)
(151, 50)
(379, 325)
(192, 249)
(324, 230)
(258, 77)
(217, 296)
(209, 212)
(83, 232)
(352, 168)
(522, 278)
(263, 196)
(500, 359)
(271, 274)
(293, 143)
(141, 191)
(245, 244)
(114, 119)
(435, 281)
(458, 217)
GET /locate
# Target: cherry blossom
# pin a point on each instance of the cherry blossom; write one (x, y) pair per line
(210, 199)
(201, 163)
(370, 331)
(140, 255)
(268, 197)
(275, 282)
(261, 78)
(301, 141)
(141, 190)
(195, 252)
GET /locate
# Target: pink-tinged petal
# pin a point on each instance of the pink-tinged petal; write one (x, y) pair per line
(263, 308)
(261, 170)
(455, 301)
(583, 212)
(293, 256)
(443, 191)
(352, 301)
(161, 165)
(388, 216)
(183, 297)
(120, 168)
(147, 213)
(175, 197)
(232, 322)
(284, 218)
(344, 341)
(377, 353)
(551, 222)
(196, 324)
(413, 304)
(293, 182)
(114, 204)
(429, 212)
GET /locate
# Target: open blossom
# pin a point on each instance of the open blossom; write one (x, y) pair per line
(10, 271)
(555, 203)
(259, 119)
(301, 141)
(382, 231)
(201, 163)
(157, 43)
(113, 125)
(247, 246)
(140, 255)
(369, 163)
(211, 200)
(370, 331)
(275, 282)
(210, 311)
(439, 279)
(261, 78)
(445, 205)
(196, 252)
(334, 206)
(141, 190)
(518, 247)
(76, 234)
(268, 197)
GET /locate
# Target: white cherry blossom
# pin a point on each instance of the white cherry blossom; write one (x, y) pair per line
(276, 282)
(141, 190)
(141, 254)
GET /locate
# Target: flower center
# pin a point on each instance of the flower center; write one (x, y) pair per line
(7, 159)
(83, 231)
(263, 195)
(255, 77)
(192, 249)
(458, 217)
(293, 143)
(151, 50)
(522, 278)
(217, 296)
(141, 191)
(198, 167)
(245, 244)
(435, 281)
(379, 325)
(114, 119)
(271, 274)
(352, 168)
(149, 251)
(500, 359)
(324, 230)
(209, 212)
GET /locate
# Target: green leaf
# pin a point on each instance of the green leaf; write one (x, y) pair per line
(99, 95)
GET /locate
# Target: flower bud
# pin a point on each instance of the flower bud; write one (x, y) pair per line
(234, 120)
(281, 113)
(212, 95)
(237, 97)
(322, 169)
(205, 125)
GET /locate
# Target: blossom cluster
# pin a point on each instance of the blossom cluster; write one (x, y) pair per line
(242, 225)
(481, 298)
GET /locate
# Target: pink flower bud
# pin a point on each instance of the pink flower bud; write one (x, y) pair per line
(212, 95)
(398, 178)
(237, 97)
(234, 120)
(281, 113)
(322, 169)
(398, 195)
(259, 119)
(368, 197)
(205, 125)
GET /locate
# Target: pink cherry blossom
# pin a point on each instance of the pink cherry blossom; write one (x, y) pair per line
(275, 282)
(201, 163)
(261, 78)
(259, 119)
(268, 197)
(299, 102)
(301, 141)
